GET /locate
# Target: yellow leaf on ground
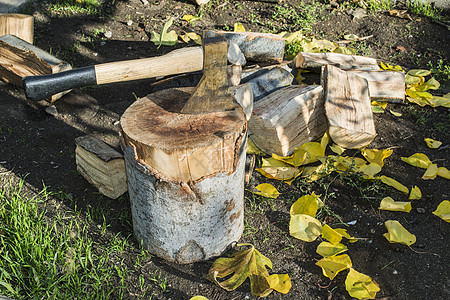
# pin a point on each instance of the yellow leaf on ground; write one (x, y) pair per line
(419, 160)
(292, 37)
(398, 234)
(314, 151)
(331, 235)
(191, 36)
(431, 84)
(443, 211)
(238, 27)
(325, 140)
(344, 233)
(394, 183)
(370, 170)
(431, 172)
(433, 144)
(345, 50)
(326, 249)
(267, 190)
(245, 263)
(296, 159)
(412, 80)
(441, 101)
(190, 18)
(351, 37)
(397, 114)
(389, 204)
(299, 77)
(388, 67)
(337, 149)
(253, 149)
(383, 105)
(377, 109)
(165, 38)
(360, 286)
(316, 172)
(443, 172)
(306, 205)
(419, 72)
(376, 156)
(275, 169)
(415, 193)
(304, 227)
(280, 283)
(332, 265)
(198, 298)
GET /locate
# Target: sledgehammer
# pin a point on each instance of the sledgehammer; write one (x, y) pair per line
(255, 46)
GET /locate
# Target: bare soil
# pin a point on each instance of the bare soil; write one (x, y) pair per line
(39, 147)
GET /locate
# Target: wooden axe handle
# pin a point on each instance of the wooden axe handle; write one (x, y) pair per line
(176, 62)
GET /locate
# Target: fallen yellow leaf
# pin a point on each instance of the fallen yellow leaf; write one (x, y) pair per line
(325, 140)
(431, 84)
(419, 72)
(337, 149)
(394, 183)
(304, 227)
(314, 151)
(306, 205)
(443, 211)
(398, 234)
(383, 105)
(245, 263)
(431, 172)
(415, 193)
(344, 233)
(412, 80)
(198, 298)
(331, 235)
(191, 36)
(238, 27)
(267, 190)
(433, 144)
(332, 265)
(388, 67)
(326, 249)
(296, 159)
(389, 204)
(190, 18)
(360, 286)
(275, 169)
(376, 156)
(280, 283)
(370, 170)
(397, 114)
(443, 172)
(441, 101)
(419, 160)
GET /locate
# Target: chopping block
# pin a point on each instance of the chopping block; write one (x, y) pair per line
(184, 152)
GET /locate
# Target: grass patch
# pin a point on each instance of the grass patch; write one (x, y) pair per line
(74, 7)
(376, 5)
(423, 9)
(40, 259)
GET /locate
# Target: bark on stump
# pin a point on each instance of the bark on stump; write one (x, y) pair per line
(185, 176)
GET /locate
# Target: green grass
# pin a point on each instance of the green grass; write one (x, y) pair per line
(48, 253)
(376, 5)
(440, 70)
(73, 7)
(423, 9)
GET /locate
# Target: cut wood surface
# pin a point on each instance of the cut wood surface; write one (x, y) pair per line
(244, 96)
(307, 60)
(288, 118)
(19, 58)
(19, 25)
(348, 108)
(101, 166)
(185, 176)
(384, 85)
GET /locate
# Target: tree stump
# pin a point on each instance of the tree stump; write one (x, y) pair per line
(185, 176)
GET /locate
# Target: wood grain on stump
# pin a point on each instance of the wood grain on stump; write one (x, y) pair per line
(185, 176)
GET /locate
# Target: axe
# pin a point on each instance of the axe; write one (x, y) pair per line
(255, 46)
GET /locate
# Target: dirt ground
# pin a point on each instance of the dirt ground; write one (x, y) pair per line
(39, 147)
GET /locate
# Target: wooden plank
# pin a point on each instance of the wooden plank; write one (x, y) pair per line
(307, 60)
(386, 86)
(19, 25)
(19, 58)
(288, 118)
(101, 166)
(348, 108)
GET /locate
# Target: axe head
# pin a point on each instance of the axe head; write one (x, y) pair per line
(212, 93)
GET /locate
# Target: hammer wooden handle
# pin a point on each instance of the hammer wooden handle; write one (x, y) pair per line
(176, 62)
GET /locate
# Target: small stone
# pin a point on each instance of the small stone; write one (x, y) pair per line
(145, 2)
(129, 22)
(395, 272)
(352, 222)
(372, 231)
(116, 123)
(370, 241)
(51, 110)
(95, 54)
(108, 34)
(420, 210)
(130, 48)
(103, 43)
